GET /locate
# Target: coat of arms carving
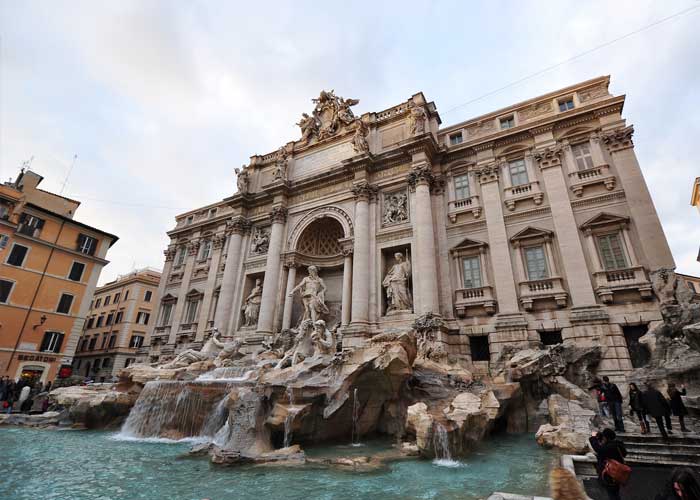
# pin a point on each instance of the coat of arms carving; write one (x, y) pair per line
(330, 115)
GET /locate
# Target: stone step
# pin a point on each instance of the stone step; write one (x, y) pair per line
(673, 447)
(663, 456)
(675, 438)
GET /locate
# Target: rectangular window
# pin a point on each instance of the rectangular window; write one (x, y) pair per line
(4, 240)
(83, 344)
(212, 212)
(17, 255)
(104, 341)
(566, 104)
(5, 289)
(65, 303)
(205, 252)
(550, 337)
(518, 172)
(535, 262)
(116, 297)
(98, 303)
(119, 316)
(52, 342)
(30, 225)
(147, 297)
(90, 322)
(611, 251)
(93, 341)
(108, 298)
(471, 272)
(181, 254)
(582, 155)
(142, 318)
(112, 341)
(100, 320)
(136, 341)
(96, 365)
(76, 271)
(129, 361)
(110, 318)
(507, 123)
(106, 363)
(479, 346)
(126, 295)
(456, 139)
(191, 310)
(4, 212)
(165, 314)
(462, 187)
(86, 244)
(189, 220)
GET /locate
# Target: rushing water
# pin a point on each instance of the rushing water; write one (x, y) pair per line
(92, 465)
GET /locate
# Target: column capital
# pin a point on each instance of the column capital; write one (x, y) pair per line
(347, 246)
(363, 191)
(421, 174)
(488, 173)
(238, 225)
(218, 241)
(290, 260)
(170, 253)
(278, 215)
(193, 247)
(548, 157)
(617, 140)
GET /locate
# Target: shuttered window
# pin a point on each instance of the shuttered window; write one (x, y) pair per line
(536, 263)
(17, 255)
(471, 271)
(65, 303)
(5, 289)
(87, 244)
(52, 342)
(76, 271)
(611, 251)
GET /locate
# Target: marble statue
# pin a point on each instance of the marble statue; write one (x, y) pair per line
(210, 350)
(251, 307)
(416, 119)
(260, 241)
(309, 127)
(330, 114)
(395, 282)
(323, 339)
(302, 348)
(281, 162)
(359, 140)
(313, 295)
(242, 179)
(229, 353)
(395, 208)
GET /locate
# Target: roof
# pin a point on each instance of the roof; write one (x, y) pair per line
(77, 223)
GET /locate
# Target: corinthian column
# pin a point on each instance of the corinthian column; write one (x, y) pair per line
(289, 301)
(360, 265)
(347, 285)
(420, 179)
(278, 216)
(235, 228)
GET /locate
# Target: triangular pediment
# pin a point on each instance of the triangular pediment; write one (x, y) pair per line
(169, 298)
(468, 244)
(194, 293)
(604, 219)
(531, 233)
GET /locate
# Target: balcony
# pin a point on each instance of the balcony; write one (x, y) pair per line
(522, 192)
(27, 230)
(474, 297)
(544, 289)
(582, 179)
(631, 278)
(471, 204)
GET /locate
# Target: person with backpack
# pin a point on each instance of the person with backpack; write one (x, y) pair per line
(612, 470)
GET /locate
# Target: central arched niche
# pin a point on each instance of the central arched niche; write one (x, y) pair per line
(319, 245)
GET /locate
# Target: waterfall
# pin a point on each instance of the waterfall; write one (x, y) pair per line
(289, 419)
(355, 419)
(441, 446)
(216, 419)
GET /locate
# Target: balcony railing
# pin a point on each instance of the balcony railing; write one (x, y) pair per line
(474, 297)
(471, 204)
(581, 179)
(522, 192)
(631, 278)
(546, 288)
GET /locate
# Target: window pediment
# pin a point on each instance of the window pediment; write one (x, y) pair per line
(169, 298)
(532, 233)
(468, 244)
(194, 294)
(605, 220)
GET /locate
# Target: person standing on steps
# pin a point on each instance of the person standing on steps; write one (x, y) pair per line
(656, 406)
(600, 397)
(637, 407)
(677, 406)
(607, 447)
(614, 399)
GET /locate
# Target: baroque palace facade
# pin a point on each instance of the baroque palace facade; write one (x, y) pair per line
(529, 225)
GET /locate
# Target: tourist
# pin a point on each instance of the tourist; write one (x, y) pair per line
(607, 447)
(637, 407)
(600, 397)
(614, 399)
(683, 486)
(563, 485)
(677, 406)
(657, 406)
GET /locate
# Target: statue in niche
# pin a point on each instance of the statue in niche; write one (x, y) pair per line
(280, 172)
(251, 307)
(261, 241)
(309, 127)
(313, 295)
(416, 118)
(398, 295)
(395, 208)
(303, 346)
(359, 140)
(210, 350)
(323, 339)
(242, 179)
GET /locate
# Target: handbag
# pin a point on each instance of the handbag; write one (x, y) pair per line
(617, 471)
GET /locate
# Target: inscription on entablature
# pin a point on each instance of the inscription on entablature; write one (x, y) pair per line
(593, 93)
(390, 172)
(393, 135)
(320, 192)
(320, 160)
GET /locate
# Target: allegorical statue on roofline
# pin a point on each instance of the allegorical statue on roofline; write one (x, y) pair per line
(331, 113)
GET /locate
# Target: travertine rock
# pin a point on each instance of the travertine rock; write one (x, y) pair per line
(94, 406)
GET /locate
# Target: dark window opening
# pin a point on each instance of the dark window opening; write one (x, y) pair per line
(479, 346)
(550, 337)
(639, 353)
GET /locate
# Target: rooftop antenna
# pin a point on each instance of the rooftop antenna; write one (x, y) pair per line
(26, 164)
(65, 181)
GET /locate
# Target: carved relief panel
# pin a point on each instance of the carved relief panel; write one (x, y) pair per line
(395, 208)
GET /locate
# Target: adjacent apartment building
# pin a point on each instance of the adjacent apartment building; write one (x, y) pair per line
(49, 267)
(116, 325)
(525, 226)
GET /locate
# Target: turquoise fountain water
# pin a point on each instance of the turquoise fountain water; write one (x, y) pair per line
(91, 465)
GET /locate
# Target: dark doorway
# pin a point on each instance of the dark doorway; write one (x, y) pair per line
(479, 346)
(639, 354)
(550, 337)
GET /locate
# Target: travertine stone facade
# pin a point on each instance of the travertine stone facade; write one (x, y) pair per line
(531, 224)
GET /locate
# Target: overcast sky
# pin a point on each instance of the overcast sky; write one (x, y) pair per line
(162, 100)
